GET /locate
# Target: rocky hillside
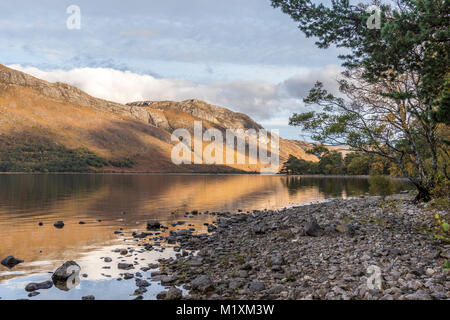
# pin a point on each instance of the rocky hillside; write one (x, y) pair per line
(57, 127)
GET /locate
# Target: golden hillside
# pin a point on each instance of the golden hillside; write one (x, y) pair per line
(46, 125)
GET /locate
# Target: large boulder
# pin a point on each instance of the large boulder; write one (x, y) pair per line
(65, 271)
(10, 262)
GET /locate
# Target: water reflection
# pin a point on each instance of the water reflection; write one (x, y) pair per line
(108, 203)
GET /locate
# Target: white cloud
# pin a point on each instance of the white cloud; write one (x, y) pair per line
(260, 99)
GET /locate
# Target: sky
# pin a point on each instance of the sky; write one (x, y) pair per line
(240, 54)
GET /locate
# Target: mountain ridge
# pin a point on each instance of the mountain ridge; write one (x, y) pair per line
(62, 115)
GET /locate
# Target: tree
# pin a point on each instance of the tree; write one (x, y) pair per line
(394, 91)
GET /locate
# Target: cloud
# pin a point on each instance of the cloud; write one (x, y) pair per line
(262, 100)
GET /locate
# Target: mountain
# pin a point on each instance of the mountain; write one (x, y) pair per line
(57, 127)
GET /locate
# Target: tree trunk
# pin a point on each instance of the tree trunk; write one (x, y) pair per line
(423, 195)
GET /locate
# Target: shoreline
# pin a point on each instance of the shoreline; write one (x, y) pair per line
(200, 173)
(316, 251)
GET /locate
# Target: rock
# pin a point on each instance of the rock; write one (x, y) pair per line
(153, 225)
(128, 276)
(88, 298)
(168, 280)
(162, 295)
(313, 229)
(10, 262)
(202, 284)
(418, 296)
(142, 283)
(59, 224)
(174, 294)
(348, 229)
(65, 271)
(430, 271)
(139, 291)
(125, 266)
(123, 252)
(33, 294)
(259, 228)
(107, 259)
(38, 286)
(257, 286)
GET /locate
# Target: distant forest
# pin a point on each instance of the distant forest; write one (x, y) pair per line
(354, 163)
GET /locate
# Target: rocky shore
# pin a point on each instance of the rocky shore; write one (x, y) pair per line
(360, 248)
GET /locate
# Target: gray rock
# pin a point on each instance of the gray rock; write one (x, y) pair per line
(142, 283)
(202, 284)
(128, 276)
(125, 266)
(10, 262)
(418, 296)
(257, 286)
(313, 229)
(65, 271)
(38, 286)
(174, 294)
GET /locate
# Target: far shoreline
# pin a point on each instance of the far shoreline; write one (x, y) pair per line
(203, 174)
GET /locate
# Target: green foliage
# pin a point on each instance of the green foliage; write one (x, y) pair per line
(447, 266)
(333, 163)
(396, 83)
(123, 163)
(38, 157)
(32, 154)
(442, 230)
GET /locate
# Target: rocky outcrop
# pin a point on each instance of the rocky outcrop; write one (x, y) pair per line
(202, 110)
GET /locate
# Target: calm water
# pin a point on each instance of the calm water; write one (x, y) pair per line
(27, 200)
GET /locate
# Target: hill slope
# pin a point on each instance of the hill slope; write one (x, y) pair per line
(57, 127)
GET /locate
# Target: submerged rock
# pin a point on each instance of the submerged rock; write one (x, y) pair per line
(10, 262)
(38, 286)
(153, 225)
(59, 224)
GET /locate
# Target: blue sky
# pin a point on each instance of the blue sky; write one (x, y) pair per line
(240, 54)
